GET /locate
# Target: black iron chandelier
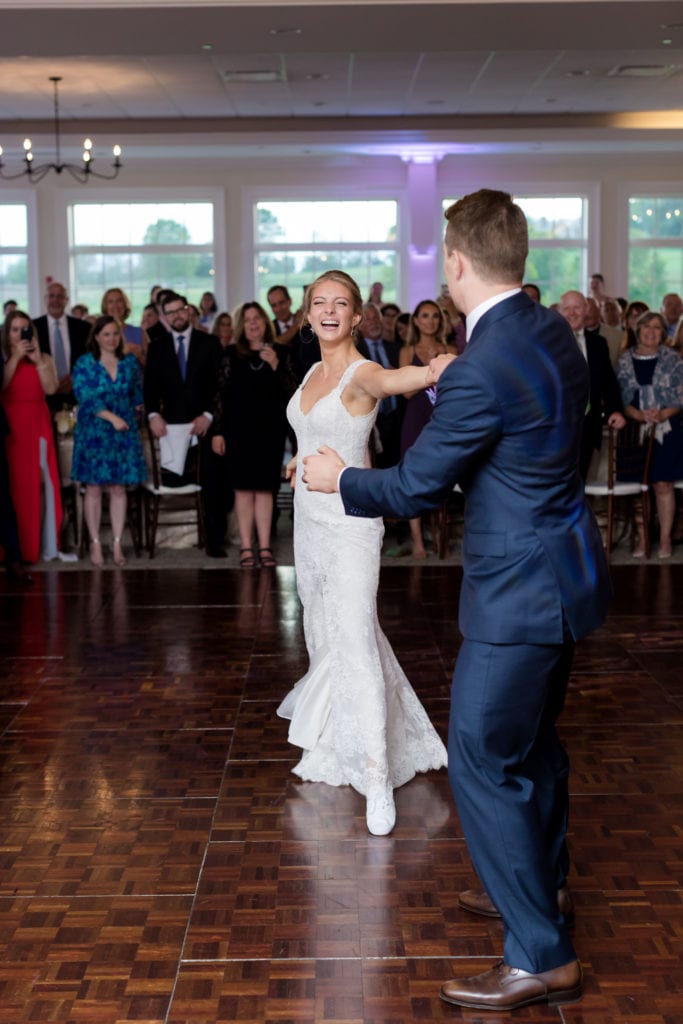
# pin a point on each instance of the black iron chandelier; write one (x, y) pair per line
(81, 172)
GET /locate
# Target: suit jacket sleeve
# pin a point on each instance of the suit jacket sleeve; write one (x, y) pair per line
(467, 420)
(152, 378)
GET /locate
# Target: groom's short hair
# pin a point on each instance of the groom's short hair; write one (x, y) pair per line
(491, 230)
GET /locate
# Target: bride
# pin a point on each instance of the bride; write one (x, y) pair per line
(354, 713)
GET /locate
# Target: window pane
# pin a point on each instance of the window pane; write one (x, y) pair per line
(311, 222)
(159, 243)
(14, 279)
(655, 218)
(561, 217)
(13, 226)
(654, 271)
(297, 269)
(555, 270)
(103, 224)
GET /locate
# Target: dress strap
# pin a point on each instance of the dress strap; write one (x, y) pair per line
(349, 372)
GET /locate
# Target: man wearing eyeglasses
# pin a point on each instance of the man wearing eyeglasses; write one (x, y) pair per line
(179, 386)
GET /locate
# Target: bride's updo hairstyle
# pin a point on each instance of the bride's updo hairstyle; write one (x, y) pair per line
(339, 277)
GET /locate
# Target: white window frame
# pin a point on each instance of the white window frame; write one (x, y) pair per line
(99, 196)
(26, 197)
(642, 190)
(329, 194)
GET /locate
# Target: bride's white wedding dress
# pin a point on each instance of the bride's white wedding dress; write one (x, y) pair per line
(354, 713)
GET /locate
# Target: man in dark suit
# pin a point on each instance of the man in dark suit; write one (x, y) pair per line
(179, 387)
(371, 346)
(64, 338)
(604, 400)
(506, 427)
(304, 346)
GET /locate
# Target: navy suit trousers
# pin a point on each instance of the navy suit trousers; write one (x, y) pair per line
(509, 774)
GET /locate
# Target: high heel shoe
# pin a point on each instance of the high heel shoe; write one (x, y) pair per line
(118, 555)
(96, 556)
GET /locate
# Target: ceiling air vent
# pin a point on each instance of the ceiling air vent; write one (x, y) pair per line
(642, 71)
(253, 75)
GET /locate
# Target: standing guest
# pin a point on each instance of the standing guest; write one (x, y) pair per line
(116, 303)
(354, 713)
(672, 308)
(179, 386)
(305, 350)
(532, 290)
(389, 311)
(208, 309)
(506, 427)
(8, 306)
(612, 328)
(596, 288)
(64, 338)
(402, 328)
(651, 380)
(221, 328)
(107, 447)
(456, 334)
(255, 383)
(9, 531)
(150, 317)
(386, 354)
(604, 404)
(426, 341)
(162, 326)
(375, 293)
(29, 375)
(634, 310)
(79, 310)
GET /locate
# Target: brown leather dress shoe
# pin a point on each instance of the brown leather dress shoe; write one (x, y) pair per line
(508, 988)
(479, 902)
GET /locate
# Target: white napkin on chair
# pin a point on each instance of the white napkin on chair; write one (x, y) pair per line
(174, 445)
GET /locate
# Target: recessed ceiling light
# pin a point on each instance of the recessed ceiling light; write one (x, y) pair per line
(207, 46)
(285, 31)
(579, 73)
(666, 42)
(317, 76)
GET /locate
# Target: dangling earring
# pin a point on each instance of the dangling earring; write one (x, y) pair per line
(308, 337)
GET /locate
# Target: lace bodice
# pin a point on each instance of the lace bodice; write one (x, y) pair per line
(328, 422)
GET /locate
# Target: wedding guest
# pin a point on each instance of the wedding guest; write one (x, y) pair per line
(650, 375)
(107, 447)
(35, 487)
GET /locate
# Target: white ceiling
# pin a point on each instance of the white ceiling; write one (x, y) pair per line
(366, 77)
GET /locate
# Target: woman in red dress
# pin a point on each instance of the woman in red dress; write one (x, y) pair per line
(34, 477)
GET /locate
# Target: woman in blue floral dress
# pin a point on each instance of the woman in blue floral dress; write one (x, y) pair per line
(107, 447)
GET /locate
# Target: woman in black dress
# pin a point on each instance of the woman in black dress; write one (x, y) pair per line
(250, 425)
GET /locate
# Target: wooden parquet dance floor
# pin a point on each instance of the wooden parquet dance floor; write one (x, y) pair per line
(160, 863)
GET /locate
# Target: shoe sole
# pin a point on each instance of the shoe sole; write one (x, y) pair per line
(553, 999)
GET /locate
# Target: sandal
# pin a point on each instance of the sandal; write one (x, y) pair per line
(247, 561)
(266, 559)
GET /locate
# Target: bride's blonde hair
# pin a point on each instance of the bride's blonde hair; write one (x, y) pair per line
(339, 277)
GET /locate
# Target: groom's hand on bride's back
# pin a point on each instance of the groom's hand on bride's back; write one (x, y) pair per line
(321, 471)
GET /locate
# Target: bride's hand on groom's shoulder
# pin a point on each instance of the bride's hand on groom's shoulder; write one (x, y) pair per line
(437, 365)
(321, 471)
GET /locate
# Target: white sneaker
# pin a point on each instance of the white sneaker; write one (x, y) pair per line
(381, 811)
(67, 556)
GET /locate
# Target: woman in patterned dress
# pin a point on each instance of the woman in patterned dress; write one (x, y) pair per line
(107, 447)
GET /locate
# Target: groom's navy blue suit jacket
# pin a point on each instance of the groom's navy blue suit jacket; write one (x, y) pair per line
(506, 427)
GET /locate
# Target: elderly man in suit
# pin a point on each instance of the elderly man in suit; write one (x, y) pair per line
(64, 338)
(604, 401)
(506, 427)
(179, 387)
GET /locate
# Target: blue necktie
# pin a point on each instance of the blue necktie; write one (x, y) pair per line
(182, 362)
(61, 365)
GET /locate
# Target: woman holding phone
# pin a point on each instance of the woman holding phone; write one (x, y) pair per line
(29, 376)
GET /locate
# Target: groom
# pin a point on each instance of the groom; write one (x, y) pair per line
(506, 427)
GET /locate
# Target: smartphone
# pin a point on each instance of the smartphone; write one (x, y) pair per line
(27, 333)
